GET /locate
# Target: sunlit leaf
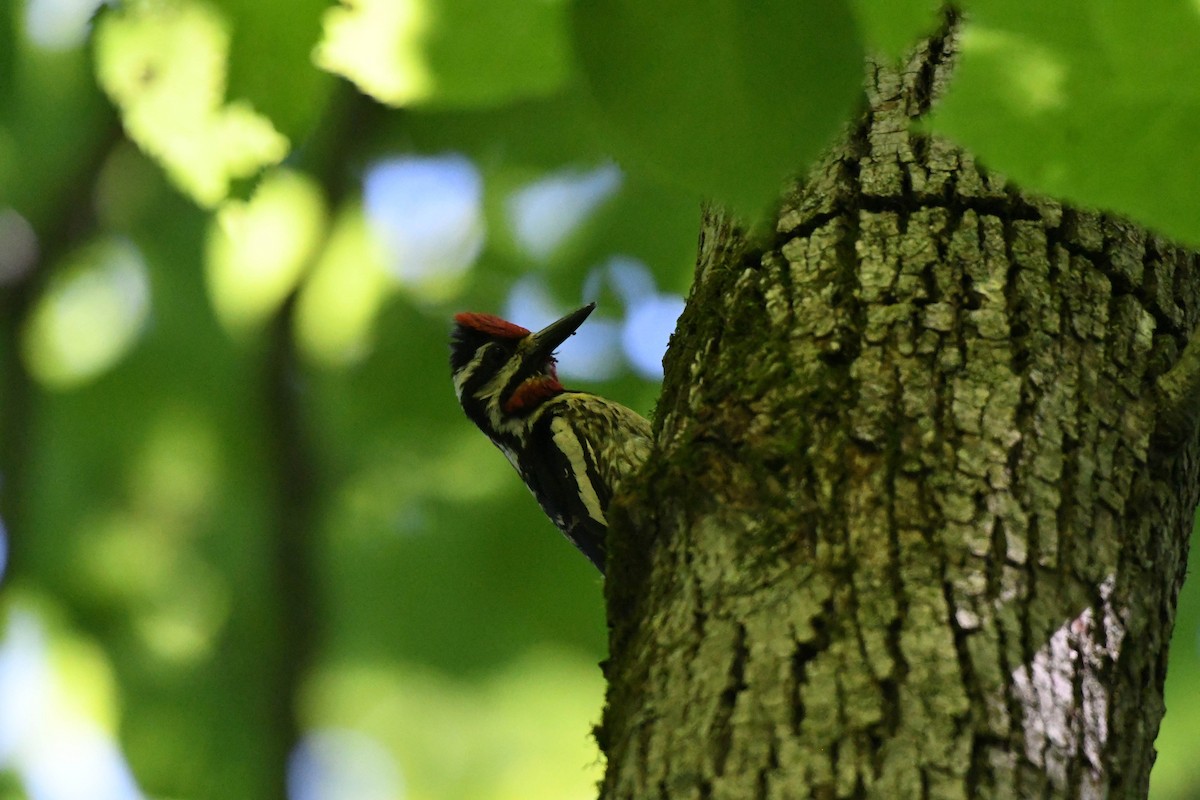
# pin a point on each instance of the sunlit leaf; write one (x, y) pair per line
(258, 249)
(90, 315)
(336, 310)
(448, 53)
(163, 64)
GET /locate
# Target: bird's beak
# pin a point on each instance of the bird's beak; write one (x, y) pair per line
(550, 337)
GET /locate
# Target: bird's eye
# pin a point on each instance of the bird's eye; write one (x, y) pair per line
(494, 357)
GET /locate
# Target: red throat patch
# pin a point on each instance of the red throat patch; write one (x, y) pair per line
(533, 392)
(491, 325)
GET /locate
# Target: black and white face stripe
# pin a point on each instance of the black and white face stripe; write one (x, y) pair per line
(488, 361)
(490, 374)
(480, 383)
(484, 383)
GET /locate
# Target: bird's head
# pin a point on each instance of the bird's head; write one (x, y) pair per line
(503, 371)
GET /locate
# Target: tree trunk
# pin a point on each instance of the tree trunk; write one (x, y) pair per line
(920, 509)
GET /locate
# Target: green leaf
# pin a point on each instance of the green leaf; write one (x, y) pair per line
(90, 315)
(51, 120)
(8, 47)
(1095, 104)
(164, 67)
(270, 60)
(894, 26)
(448, 53)
(722, 97)
(543, 133)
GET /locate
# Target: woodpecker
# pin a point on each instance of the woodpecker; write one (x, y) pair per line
(572, 449)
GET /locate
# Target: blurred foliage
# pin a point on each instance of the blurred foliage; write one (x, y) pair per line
(249, 545)
(1175, 772)
(689, 91)
(164, 66)
(450, 53)
(891, 28)
(1085, 101)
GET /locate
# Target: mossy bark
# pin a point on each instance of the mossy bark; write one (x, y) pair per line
(920, 509)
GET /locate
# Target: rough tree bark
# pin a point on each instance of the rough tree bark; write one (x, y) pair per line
(920, 509)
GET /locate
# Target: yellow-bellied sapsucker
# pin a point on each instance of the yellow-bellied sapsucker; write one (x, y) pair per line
(571, 448)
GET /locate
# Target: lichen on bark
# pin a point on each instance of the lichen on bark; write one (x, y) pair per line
(919, 512)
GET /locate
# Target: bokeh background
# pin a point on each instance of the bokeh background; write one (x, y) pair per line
(249, 546)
